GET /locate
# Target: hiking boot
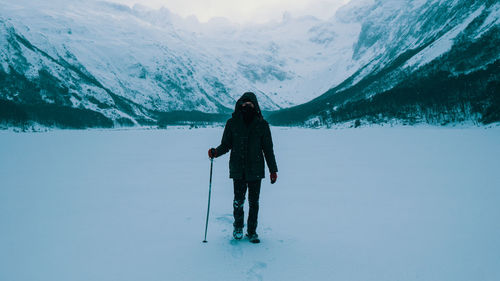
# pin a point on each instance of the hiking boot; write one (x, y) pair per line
(238, 233)
(253, 238)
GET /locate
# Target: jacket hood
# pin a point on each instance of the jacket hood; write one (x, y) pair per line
(248, 96)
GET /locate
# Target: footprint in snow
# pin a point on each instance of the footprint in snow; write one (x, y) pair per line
(225, 219)
(236, 251)
(255, 272)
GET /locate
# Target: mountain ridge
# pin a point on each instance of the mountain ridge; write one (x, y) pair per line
(143, 63)
(351, 100)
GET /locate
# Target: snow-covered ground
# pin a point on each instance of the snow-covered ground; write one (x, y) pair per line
(351, 204)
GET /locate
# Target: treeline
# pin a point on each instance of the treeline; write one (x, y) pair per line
(50, 115)
(190, 117)
(438, 99)
(453, 88)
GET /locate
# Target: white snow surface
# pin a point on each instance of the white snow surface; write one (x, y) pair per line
(365, 204)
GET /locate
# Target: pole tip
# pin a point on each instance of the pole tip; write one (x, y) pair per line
(205, 241)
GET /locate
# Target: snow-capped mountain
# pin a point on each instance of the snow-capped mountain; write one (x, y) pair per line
(103, 64)
(129, 63)
(424, 61)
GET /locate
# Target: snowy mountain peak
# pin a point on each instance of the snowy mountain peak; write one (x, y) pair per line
(132, 63)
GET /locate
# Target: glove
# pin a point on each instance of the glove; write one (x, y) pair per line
(273, 177)
(212, 153)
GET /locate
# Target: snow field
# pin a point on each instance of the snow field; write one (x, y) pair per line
(351, 204)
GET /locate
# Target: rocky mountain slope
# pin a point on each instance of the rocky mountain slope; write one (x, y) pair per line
(432, 61)
(130, 65)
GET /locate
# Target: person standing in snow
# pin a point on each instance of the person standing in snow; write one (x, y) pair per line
(248, 137)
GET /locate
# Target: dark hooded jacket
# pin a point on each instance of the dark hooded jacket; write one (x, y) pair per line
(249, 143)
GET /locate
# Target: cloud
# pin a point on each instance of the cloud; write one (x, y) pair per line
(256, 11)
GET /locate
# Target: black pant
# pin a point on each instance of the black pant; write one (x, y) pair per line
(240, 188)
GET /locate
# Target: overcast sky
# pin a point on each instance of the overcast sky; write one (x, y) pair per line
(242, 11)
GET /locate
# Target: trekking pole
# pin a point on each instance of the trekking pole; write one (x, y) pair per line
(209, 193)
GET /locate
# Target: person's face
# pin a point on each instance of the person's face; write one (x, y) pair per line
(248, 103)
